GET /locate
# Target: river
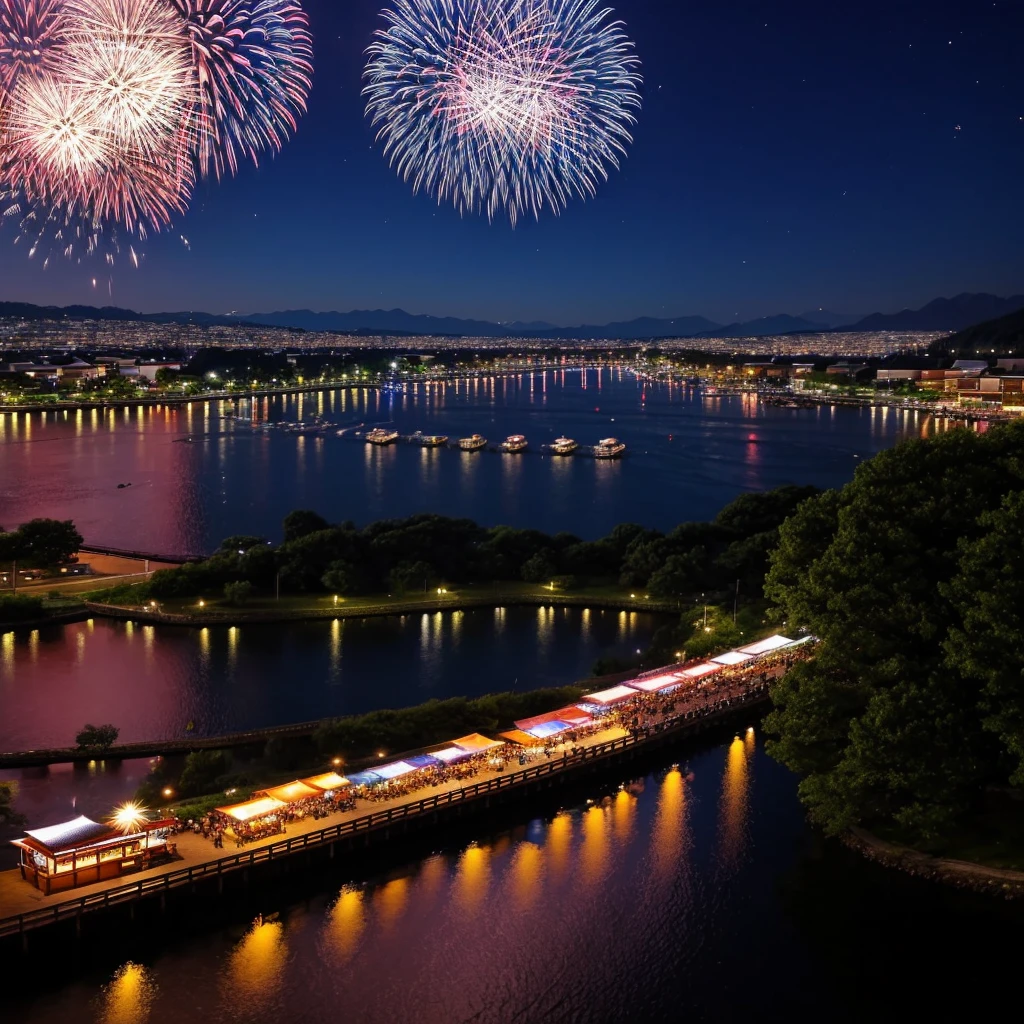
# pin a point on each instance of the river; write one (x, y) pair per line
(167, 682)
(689, 454)
(695, 892)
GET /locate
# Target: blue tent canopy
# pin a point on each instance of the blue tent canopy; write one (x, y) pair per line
(365, 779)
(422, 761)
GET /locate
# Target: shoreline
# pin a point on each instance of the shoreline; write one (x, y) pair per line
(242, 394)
(963, 874)
(238, 617)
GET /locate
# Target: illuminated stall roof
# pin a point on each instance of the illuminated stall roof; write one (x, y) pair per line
(394, 770)
(70, 835)
(449, 754)
(423, 760)
(365, 779)
(291, 792)
(523, 739)
(700, 671)
(252, 809)
(569, 717)
(666, 681)
(731, 658)
(773, 643)
(475, 743)
(606, 698)
(327, 782)
(548, 729)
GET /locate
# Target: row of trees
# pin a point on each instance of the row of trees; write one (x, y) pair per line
(38, 544)
(912, 576)
(418, 553)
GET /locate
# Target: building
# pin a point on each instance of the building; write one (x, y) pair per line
(81, 851)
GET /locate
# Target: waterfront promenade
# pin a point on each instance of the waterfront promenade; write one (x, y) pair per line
(23, 908)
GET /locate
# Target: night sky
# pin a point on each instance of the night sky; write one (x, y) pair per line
(853, 156)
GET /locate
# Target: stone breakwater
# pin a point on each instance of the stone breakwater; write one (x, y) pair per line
(959, 873)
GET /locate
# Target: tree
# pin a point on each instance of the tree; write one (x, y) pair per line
(8, 815)
(340, 578)
(238, 593)
(303, 522)
(412, 576)
(988, 592)
(883, 724)
(47, 542)
(202, 770)
(538, 568)
(97, 738)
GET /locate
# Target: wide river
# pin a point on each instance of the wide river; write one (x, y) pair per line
(689, 453)
(694, 893)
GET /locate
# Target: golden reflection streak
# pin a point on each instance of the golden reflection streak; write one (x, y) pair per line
(594, 849)
(671, 832)
(335, 651)
(527, 872)
(559, 839)
(623, 816)
(472, 879)
(345, 925)
(128, 999)
(735, 790)
(390, 901)
(7, 654)
(256, 968)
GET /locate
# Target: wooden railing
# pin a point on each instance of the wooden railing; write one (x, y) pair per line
(176, 879)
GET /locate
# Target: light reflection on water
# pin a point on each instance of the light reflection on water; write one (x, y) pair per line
(529, 924)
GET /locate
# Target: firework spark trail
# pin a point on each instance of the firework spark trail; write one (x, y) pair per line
(110, 108)
(30, 36)
(512, 105)
(253, 59)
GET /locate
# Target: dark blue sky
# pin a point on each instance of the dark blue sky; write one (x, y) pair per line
(853, 156)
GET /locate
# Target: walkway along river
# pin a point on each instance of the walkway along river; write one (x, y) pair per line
(25, 909)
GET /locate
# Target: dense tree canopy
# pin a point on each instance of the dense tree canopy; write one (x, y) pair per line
(912, 577)
(404, 555)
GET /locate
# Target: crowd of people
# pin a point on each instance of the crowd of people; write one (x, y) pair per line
(640, 717)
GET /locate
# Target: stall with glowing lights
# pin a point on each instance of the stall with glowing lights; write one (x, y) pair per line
(255, 818)
(82, 851)
(328, 784)
(554, 723)
(657, 684)
(605, 699)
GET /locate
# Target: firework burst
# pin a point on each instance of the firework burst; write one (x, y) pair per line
(503, 105)
(253, 61)
(109, 109)
(30, 36)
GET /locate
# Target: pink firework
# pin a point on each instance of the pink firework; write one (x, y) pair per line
(253, 59)
(30, 35)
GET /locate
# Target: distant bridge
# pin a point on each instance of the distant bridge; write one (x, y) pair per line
(140, 556)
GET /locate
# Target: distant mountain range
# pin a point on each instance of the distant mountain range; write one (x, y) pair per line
(941, 315)
(1003, 336)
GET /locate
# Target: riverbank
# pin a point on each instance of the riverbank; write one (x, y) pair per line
(26, 909)
(241, 393)
(960, 873)
(302, 609)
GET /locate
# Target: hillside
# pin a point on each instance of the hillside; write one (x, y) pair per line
(1002, 336)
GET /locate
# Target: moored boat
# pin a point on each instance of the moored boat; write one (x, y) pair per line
(430, 440)
(382, 436)
(515, 444)
(609, 448)
(564, 446)
(475, 443)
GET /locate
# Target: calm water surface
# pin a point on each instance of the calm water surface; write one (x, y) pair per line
(689, 454)
(694, 893)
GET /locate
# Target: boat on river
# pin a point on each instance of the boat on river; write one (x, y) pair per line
(609, 448)
(430, 440)
(382, 436)
(563, 446)
(515, 444)
(475, 443)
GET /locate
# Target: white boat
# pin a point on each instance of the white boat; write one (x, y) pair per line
(515, 444)
(564, 446)
(609, 448)
(475, 443)
(382, 436)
